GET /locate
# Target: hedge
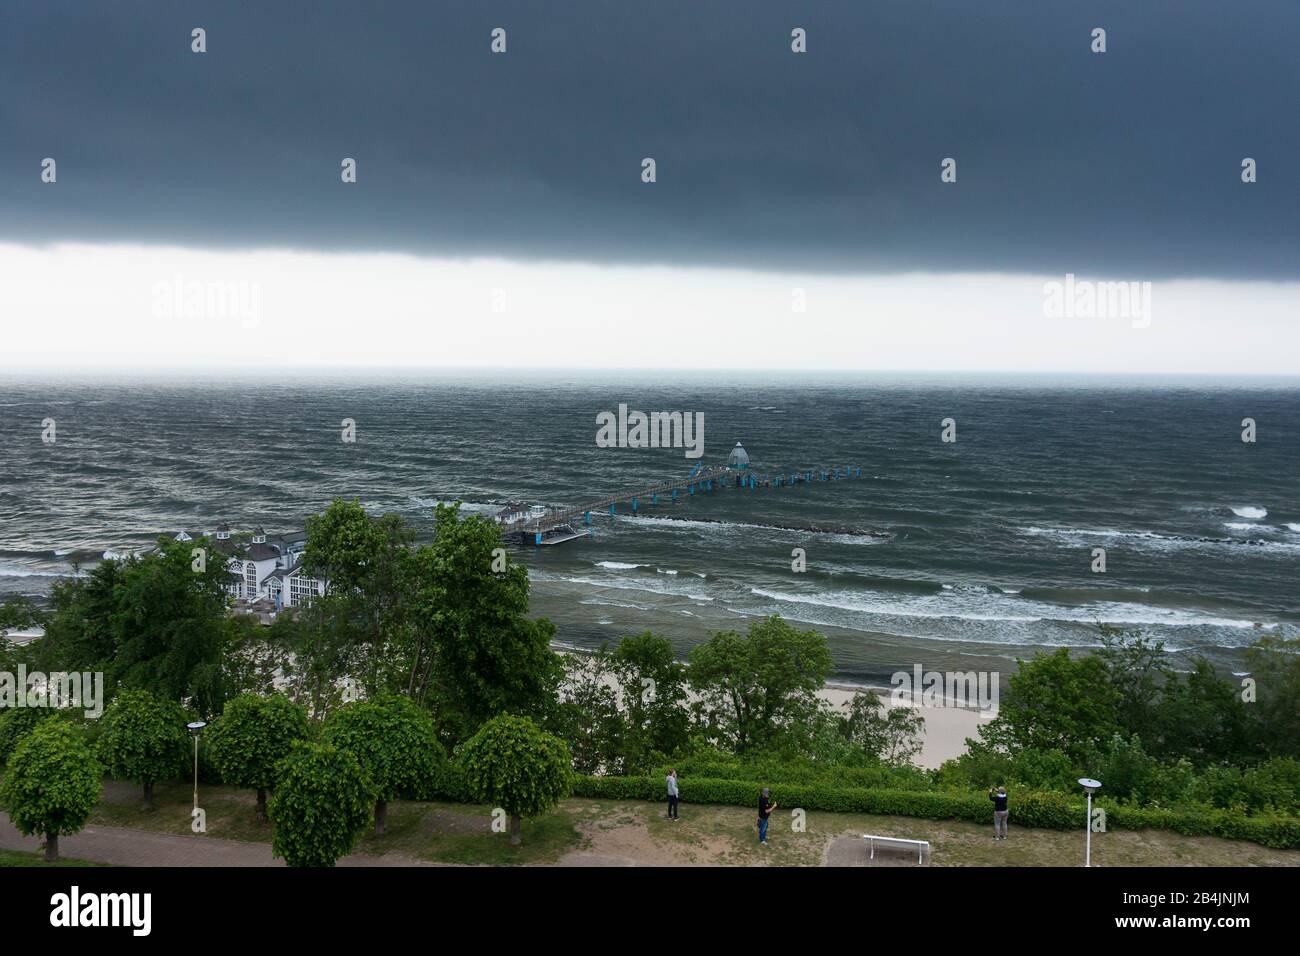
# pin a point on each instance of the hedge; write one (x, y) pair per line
(762, 771)
(1047, 811)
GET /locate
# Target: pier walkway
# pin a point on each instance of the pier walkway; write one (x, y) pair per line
(558, 524)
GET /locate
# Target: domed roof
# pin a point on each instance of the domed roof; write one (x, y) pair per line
(738, 458)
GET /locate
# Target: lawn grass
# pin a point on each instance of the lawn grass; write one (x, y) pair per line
(622, 832)
(462, 834)
(434, 831)
(36, 858)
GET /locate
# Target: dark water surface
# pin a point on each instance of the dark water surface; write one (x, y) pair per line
(990, 538)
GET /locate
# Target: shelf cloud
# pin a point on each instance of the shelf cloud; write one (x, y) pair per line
(1126, 163)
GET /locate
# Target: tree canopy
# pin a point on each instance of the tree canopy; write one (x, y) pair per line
(512, 764)
(143, 738)
(320, 806)
(51, 784)
(394, 741)
(756, 687)
(251, 738)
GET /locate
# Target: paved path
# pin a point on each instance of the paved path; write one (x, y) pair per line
(122, 846)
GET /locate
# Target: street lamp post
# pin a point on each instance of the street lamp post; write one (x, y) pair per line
(1090, 786)
(195, 727)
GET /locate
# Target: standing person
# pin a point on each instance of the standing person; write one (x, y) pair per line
(999, 798)
(765, 808)
(672, 794)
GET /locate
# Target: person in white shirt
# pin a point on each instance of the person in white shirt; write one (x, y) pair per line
(672, 794)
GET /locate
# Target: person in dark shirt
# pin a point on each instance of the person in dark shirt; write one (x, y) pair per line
(765, 808)
(999, 798)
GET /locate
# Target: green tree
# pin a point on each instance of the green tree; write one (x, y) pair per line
(1275, 666)
(1055, 702)
(1203, 718)
(587, 714)
(472, 643)
(759, 687)
(891, 735)
(251, 738)
(16, 723)
(257, 657)
(320, 651)
(366, 560)
(320, 805)
(51, 784)
(19, 613)
(657, 712)
(142, 738)
(510, 763)
(1138, 673)
(394, 741)
(155, 622)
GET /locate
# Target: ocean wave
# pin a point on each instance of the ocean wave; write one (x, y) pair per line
(601, 602)
(1250, 511)
(21, 571)
(648, 585)
(618, 565)
(466, 507)
(1293, 526)
(730, 528)
(1156, 541)
(990, 606)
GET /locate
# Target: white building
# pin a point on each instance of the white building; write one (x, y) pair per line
(264, 569)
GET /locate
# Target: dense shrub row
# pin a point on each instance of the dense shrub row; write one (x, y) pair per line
(1049, 811)
(793, 771)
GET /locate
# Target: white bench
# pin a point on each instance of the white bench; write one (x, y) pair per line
(922, 846)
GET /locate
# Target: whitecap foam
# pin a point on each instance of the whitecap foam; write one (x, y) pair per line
(974, 605)
(618, 565)
(1153, 541)
(1250, 511)
(19, 571)
(600, 602)
(648, 585)
(734, 527)
(1293, 526)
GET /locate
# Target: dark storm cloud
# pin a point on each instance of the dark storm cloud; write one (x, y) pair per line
(1126, 162)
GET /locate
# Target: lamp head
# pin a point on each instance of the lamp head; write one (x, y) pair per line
(1089, 784)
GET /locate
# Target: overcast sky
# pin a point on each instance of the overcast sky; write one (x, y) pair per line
(516, 177)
